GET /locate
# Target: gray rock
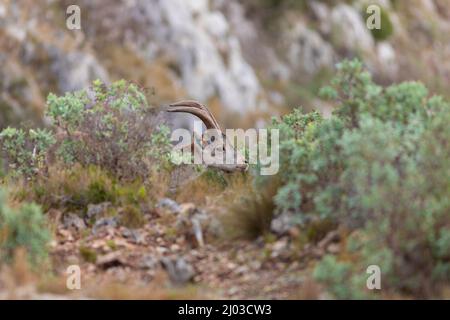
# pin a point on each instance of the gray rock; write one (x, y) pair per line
(193, 222)
(97, 210)
(196, 38)
(76, 70)
(197, 230)
(307, 50)
(170, 205)
(134, 235)
(111, 222)
(111, 260)
(71, 220)
(349, 29)
(281, 224)
(149, 262)
(179, 270)
(387, 59)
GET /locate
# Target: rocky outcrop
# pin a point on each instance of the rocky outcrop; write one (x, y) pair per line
(203, 52)
(216, 51)
(76, 70)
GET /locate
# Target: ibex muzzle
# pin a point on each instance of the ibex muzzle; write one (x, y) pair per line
(202, 112)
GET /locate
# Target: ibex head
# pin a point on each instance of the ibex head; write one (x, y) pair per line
(202, 112)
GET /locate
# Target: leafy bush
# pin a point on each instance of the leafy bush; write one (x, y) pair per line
(111, 127)
(74, 189)
(380, 163)
(337, 276)
(114, 129)
(24, 227)
(26, 152)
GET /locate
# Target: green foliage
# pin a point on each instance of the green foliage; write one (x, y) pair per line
(88, 254)
(132, 217)
(342, 279)
(112, 127)
(26, 152)
(23, 227)
(115, 129)
(74, 189)
(381, 163)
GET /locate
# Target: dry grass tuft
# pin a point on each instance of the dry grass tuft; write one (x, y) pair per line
(248, 213)
(157, 289)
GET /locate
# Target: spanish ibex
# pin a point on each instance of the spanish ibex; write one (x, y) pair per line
(197, 109)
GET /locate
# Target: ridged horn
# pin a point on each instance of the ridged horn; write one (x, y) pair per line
(196, 109)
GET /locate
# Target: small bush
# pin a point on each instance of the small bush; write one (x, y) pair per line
(74, 189)
(110, 127)
(380, 164)
(131, 217)
(341, 278)
(23, 227)
(70, 189)
(26, 152)
(114, 129)
(89, 255)
(250, 215)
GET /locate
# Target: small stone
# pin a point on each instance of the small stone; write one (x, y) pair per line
(241, 270)
(179, 270)
(334, 248)
(231, 265)
(197, 230)
(161, 250)
(149, 262)
(280, 245)
(281, 224)
(71, 220)
(110, 260)
(104, 222)
(134, 235)
(169, 205)
(97, 210)
(331, 237)
(233, 290)
(66, 234)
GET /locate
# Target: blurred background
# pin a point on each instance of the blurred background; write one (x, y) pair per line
(247, 60)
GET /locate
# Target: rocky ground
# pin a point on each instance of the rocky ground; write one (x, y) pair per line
(252, 58)
(175, 255)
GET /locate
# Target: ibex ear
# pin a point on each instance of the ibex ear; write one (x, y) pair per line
(195, 109)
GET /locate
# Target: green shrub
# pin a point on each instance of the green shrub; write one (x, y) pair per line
(131, 217)
(89, 255)
(336, 276)
(380, 163)
(26, 152)
(112, 127)
(74, 189)
(23, 227)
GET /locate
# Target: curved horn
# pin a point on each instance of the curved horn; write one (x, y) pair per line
(197, 109)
